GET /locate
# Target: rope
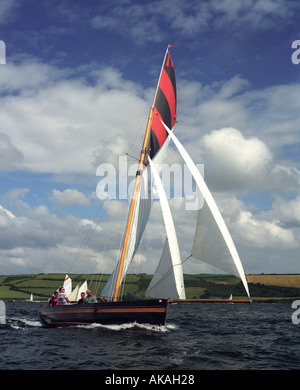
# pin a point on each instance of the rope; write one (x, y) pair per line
(90, 232)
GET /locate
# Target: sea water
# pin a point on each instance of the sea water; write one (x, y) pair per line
(197, 336)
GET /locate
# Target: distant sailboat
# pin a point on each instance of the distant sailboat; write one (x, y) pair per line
(30, 299)
(212, 241)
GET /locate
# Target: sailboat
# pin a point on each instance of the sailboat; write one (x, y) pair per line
(30, 299)
(212, 242)
(114, 310)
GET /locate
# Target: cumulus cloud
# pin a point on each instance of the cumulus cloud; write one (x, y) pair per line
(143, 22)
(39, 241)
(5, 216)
(287, 211)
(263, 234)
(233, 160)
(260, 229)
(69, 197)
(34, 75)
(28, 231)
(7, 8)
(63, 125)
(245, 138)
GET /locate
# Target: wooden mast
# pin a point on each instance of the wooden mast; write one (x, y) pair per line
(136, 187)
(132, 205)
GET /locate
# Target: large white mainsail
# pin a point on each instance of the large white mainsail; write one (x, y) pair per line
(213, 243)
(140, 218)
(167, 281)
(141, 215)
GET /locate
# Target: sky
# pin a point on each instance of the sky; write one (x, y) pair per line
(75, 90)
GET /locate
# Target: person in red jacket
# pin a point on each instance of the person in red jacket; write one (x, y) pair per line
(53, 301)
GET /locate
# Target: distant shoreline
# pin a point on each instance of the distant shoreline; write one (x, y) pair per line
(264, 288)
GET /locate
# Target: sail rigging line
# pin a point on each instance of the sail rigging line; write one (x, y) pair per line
(137, 263)
(135, 158)
(136, 136)
(98, 277)
(90, 232)
(114, 275)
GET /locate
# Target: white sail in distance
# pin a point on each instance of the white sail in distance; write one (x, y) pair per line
(67, 285)
(82, 288)
(213, 243)
(76, 293)
(73, 296)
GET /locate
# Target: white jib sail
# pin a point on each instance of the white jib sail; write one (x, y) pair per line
(213, 243)
(167, 281)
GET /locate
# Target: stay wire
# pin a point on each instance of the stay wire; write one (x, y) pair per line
(90, 231)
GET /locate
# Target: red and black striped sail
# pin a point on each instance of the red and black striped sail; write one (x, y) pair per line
(164, 106)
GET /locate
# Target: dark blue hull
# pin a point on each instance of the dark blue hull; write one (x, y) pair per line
(152, 312)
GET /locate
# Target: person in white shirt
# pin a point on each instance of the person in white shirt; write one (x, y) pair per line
(62, 297)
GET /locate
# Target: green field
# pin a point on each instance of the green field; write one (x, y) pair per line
(214, 286)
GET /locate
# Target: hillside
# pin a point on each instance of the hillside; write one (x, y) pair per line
(291, 280)
(262, 287)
